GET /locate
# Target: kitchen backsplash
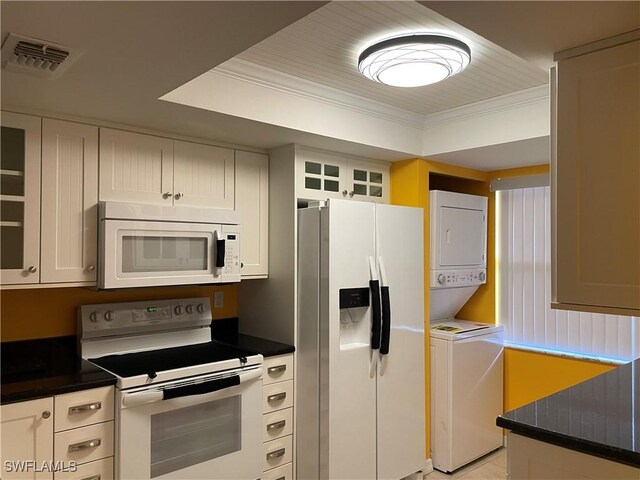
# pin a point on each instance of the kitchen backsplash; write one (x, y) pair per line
(51, 312)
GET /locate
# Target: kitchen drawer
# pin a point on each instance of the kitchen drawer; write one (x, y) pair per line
(277, 424)
(277, 396)
(86, 444)
(277, 369)
(283, 472)
(277, 452)
(86, 407)
(98, 470)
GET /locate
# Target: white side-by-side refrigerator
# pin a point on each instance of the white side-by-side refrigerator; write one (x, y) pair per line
(360, 407)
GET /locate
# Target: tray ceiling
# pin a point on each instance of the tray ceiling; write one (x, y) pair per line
(323, 48)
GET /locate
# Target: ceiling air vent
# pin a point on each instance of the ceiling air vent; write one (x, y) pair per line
(36, 57)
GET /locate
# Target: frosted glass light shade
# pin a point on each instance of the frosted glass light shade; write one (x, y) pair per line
(414, 60)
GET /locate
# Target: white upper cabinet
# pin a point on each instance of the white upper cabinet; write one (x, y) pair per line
(140, 168)
(323, 175)
(203, 176)
(69, 202)
(368, 181)
(596, 181)
(20, 199)
(135, 168)
(252, 201)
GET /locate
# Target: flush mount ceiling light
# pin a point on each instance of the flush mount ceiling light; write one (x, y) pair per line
(414, 60)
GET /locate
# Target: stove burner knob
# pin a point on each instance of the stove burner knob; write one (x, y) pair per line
(442, 279)
(152, 375)
(200, 307)
(189, 309)
(93, 316)
(178, 310)
(482, 276)
(110, 316)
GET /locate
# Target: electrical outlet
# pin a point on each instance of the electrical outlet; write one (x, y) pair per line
(218, 299)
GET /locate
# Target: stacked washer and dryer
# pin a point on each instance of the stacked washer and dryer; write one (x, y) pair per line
(466, 356)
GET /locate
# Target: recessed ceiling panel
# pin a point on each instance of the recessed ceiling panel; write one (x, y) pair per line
(323, 47)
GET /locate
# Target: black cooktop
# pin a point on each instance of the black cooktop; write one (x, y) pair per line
(150, 362)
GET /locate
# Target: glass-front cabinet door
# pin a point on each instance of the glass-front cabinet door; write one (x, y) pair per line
(321, 175)
(20, 199)
(368, 181)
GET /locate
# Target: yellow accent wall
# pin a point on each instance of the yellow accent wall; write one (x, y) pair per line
(529, 376)
(51, 312)
(410, 181)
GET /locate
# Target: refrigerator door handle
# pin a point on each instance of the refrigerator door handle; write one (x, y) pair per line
(376, 322)
(386, 310)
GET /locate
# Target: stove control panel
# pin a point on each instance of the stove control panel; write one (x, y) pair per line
(142, 317)
(458, 278)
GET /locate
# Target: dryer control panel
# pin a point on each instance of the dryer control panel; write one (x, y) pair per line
(458, 278)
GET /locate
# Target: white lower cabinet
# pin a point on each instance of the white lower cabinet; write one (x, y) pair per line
(529, 459)
(27, 439)
(81, 447)
(98, 470)
(277, 419)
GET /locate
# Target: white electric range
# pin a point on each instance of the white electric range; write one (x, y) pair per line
(187, 407)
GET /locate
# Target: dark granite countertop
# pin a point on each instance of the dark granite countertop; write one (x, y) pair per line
(226, 331)
(40, 368)
(600, 416)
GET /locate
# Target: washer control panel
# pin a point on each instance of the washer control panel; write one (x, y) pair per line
(458, 278)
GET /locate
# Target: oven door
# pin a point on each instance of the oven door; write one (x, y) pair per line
(144, 254)
(203, 428)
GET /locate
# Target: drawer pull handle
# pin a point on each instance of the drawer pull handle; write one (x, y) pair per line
(87, 407)
(92, 477)
(78, 447)
(277, 396)
(276, 369)
(275, 454)
(276, 425)
(281, 478)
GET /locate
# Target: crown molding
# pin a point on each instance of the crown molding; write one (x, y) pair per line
(266, 77)
(521, 98)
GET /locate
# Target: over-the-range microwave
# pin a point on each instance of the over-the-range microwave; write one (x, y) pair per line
(153, 245)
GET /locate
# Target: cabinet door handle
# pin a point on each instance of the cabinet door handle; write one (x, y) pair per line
(277, 396)
(87, 407)
(281, 478)
(91, 268)
(276, 369)
(276, 454)
(178, 195)
(276, 425)
(166, 195)
(78, 447)
(92, 477)
(351, 194)
(32, 269)
(46, 414)
(344, 193)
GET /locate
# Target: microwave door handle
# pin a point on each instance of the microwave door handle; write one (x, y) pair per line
(220, 253)
(210, 386)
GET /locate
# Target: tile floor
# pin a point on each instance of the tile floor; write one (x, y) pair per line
(491, 467)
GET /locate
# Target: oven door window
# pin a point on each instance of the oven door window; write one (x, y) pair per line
(196, 434)
(152, 253)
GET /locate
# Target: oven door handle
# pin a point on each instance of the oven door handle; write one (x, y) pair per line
(151, 396)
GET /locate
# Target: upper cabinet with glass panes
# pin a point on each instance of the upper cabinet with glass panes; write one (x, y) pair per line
(324, 175)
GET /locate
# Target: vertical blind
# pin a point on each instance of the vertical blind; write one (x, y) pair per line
(523, 256)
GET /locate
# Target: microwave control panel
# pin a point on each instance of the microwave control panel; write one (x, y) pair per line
(232, 253)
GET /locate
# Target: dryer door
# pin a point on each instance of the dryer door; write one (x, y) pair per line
(462, 237)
